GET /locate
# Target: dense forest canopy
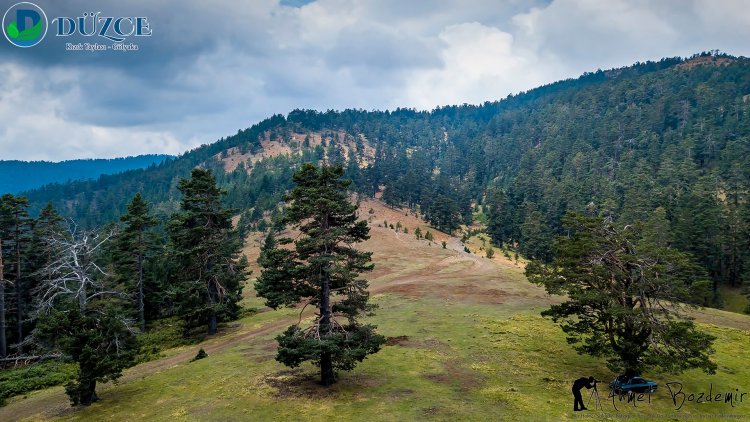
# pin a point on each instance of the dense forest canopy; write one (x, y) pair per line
(665, 143)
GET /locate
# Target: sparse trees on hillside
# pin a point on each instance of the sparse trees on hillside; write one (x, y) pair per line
(676, 139)
(624, 297)
(321, 270)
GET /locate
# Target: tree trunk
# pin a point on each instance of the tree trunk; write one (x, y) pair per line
(19, 296)
(88, 395)
(212, 324)
(3, 347)
(327, 376)
(82, 299)
(141, 310)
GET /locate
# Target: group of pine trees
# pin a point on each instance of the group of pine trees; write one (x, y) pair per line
(86, 292)
(22, 254)
(91, 291)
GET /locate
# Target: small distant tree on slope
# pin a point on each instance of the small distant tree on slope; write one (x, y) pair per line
(321, 270)
(625, 295)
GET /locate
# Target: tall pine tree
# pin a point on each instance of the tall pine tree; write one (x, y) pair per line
(623, 295)
(15, 221)
(205, 250)
(133, 246)
(444, 214)
(323, 270)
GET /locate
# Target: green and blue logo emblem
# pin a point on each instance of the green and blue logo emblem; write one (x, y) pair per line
(25, 24)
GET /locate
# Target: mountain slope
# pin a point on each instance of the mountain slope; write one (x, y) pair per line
(18, 176)
(664, 143)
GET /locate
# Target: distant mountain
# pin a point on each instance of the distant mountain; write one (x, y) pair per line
(18, 176)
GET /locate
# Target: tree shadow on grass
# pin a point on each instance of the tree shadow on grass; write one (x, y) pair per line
(300, 383)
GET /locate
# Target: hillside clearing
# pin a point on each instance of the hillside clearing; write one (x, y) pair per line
(466, 342)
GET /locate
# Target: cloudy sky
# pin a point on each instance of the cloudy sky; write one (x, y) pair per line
(213, 67)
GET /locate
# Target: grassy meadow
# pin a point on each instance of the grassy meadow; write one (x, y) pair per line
(466, 342)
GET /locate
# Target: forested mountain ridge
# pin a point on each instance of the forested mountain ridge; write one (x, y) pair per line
(665, 143)
(18, 176)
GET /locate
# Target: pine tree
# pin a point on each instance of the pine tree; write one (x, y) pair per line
(47, 225)
(535, 237)
(623, 293)
(205, 251)
(696, 225)
(502, 224)
(656, 228)
(444, 214)
(133, 246)
(322, 270)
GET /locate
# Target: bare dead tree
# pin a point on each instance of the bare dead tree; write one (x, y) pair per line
(73, 273)
(73, 281)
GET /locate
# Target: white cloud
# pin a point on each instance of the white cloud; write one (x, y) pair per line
(34, 127)
(212, 68)
(480, 64)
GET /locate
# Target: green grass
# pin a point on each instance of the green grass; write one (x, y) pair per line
(457, 357)
(162, 335)
(480, 217)
(735, 300)
(460, 362)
